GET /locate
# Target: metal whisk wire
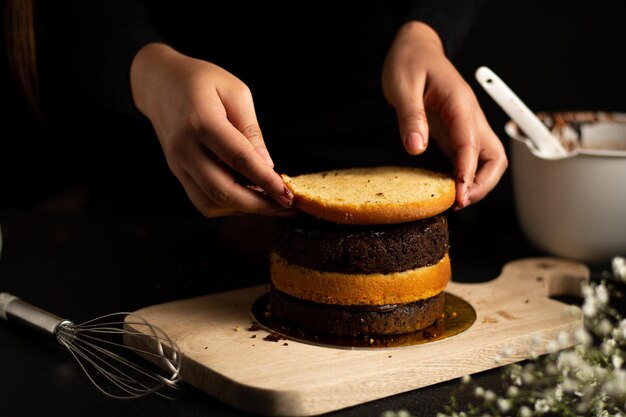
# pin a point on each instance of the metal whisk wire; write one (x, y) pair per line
(99, 346)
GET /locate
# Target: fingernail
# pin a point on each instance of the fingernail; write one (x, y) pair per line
(266, 156)
(414, 143)
(286, 198)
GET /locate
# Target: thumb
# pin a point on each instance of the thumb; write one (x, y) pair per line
(412, 120)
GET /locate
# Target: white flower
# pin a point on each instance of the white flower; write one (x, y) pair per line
(466, 379)
(504, 405)
(490, 395)
(479, 392)
(563, 339)
(609, 346)
(583, 337)
(569, 385)
(512, 391)
(619, 267)
(602, 294)
(605, 327)
(525, 411)
(552, 346)
(619, 332)
(507, 351)
(541, 406)
(590, 307)
(617, 361)
(551, 369)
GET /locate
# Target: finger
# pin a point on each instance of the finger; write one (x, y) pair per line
(219, 186)
(242, 115)
(240, 112)
(465, 159)
(234, 149)
(493, 164)
(412, 118)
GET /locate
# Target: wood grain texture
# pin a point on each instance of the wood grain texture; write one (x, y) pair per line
(269, 378)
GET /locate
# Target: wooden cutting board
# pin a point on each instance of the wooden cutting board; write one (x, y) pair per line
(298, 379)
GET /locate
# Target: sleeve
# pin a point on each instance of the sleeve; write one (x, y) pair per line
(451, 19)
(96, 42)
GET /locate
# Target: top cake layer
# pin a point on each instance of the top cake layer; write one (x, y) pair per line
(378, 195)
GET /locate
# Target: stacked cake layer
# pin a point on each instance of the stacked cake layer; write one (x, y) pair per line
(369, 257)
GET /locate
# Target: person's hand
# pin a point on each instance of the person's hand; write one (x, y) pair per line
(429, 95)
(205, 120)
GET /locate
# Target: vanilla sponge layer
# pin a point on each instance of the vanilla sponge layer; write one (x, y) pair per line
(359, 289)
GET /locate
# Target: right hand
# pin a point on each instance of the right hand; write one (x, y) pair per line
(205, 120)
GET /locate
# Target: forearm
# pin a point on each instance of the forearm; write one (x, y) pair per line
(450, 19)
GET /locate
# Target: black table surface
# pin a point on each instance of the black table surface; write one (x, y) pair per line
(83, 265)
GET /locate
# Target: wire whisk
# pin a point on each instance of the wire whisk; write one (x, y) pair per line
(101, 346)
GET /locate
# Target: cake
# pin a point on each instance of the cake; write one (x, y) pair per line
(368, 255)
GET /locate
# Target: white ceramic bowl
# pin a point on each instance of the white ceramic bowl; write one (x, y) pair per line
(574, 207)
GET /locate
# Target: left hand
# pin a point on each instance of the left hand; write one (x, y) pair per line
(429, 94)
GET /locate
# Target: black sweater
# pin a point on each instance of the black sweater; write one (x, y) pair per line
(313, 69)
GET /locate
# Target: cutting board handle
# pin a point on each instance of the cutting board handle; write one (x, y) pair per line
(546, 276)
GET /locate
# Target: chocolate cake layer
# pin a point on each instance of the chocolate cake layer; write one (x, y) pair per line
(325, 246)
(357, 321)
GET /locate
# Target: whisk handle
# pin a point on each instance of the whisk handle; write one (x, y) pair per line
(15, 310)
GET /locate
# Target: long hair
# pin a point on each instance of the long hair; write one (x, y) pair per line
(21, 47)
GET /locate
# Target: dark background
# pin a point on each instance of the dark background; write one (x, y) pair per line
(82, 207)
(556, 55)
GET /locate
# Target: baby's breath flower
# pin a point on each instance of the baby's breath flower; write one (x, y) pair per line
(617, 361)
(590, 307)
(405, 413)
(551, 369)
(466, 379)
(507, 351)
(504, 405)
(525, 411)
(568, 385)
(541, 406)
(512, 391)
(608, 347)
(552, 346)
(563, 339)
(605, 327)
(602, 294)
(583, 337)
(619, 267)
(479, 392)
(490, 395)
(619, 331)
(528, 378)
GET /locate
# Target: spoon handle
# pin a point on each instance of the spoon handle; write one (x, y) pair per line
(534, 129)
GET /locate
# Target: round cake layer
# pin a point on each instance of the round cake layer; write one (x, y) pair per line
(324, 246)
(360, 320)
(359, 289)
(374, 195)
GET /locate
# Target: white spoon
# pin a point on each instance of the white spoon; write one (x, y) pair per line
(546, 144)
